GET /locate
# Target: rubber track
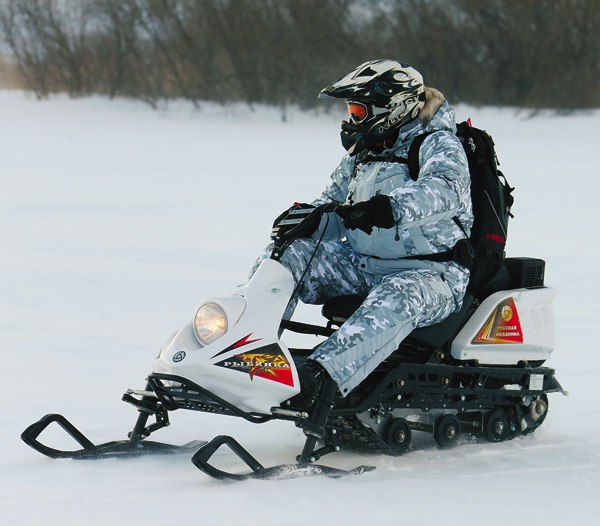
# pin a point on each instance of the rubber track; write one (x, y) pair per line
(349, 433)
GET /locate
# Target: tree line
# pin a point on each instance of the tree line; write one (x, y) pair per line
(525, 53)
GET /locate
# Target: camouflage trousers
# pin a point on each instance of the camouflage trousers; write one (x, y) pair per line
(395, 304)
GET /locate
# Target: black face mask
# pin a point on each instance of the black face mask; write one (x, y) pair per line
(353, 140)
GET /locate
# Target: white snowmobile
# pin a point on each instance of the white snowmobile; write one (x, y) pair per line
(479, 373)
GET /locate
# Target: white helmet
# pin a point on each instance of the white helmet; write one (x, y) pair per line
(382, 96)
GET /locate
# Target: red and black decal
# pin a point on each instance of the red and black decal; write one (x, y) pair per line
(267, 362)
(240, 343)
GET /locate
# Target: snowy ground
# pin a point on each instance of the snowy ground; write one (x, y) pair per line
(116, 220)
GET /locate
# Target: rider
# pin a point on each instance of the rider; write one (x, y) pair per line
(393, 242)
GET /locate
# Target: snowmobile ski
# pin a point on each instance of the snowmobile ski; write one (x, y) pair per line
(89, 450)
(284, 471)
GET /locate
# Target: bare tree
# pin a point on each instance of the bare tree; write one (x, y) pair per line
(49, 43)
(533, 53)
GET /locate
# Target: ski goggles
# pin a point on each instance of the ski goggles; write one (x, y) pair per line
(357, 112)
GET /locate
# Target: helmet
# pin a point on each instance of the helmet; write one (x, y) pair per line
(382, 96)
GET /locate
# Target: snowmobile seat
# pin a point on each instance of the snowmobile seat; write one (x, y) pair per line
(337, 310)
(521, 272)
(437, 335)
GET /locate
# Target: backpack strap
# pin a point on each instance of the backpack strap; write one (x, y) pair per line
(412, 161)
(413, 155)
(462, 252)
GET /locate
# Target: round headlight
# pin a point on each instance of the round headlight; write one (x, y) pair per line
(210, 323)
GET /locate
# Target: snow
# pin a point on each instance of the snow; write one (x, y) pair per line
(117, 220)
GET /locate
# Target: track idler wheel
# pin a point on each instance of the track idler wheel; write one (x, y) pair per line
(497, 427)
(446, 431)
(536, 414)
(398, 436)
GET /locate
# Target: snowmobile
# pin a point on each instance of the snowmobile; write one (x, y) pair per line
(479, 373)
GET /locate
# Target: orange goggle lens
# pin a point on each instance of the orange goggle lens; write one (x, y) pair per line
(357, 112)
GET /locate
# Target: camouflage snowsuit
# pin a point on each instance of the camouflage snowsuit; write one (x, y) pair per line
(401, 294)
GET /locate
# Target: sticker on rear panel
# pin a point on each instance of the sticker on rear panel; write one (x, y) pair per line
(503, 326)
(536, 382)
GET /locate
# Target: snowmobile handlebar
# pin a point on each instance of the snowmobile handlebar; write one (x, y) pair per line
(300, 221)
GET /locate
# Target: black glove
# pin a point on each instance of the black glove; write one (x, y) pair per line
(365, 215)
(297, 221)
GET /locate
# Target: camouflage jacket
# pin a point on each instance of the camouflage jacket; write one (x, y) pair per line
(424, 209)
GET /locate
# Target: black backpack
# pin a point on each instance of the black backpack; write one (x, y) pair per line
(491, 197)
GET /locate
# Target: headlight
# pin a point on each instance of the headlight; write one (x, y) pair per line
(210, 323)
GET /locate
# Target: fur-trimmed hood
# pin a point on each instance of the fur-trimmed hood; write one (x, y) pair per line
(435, 115)
(433, 102)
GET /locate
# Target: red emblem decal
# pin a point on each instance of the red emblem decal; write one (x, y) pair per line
(503, 326)
(267, 362)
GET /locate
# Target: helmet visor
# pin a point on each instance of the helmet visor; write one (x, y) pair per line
(357, 112)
